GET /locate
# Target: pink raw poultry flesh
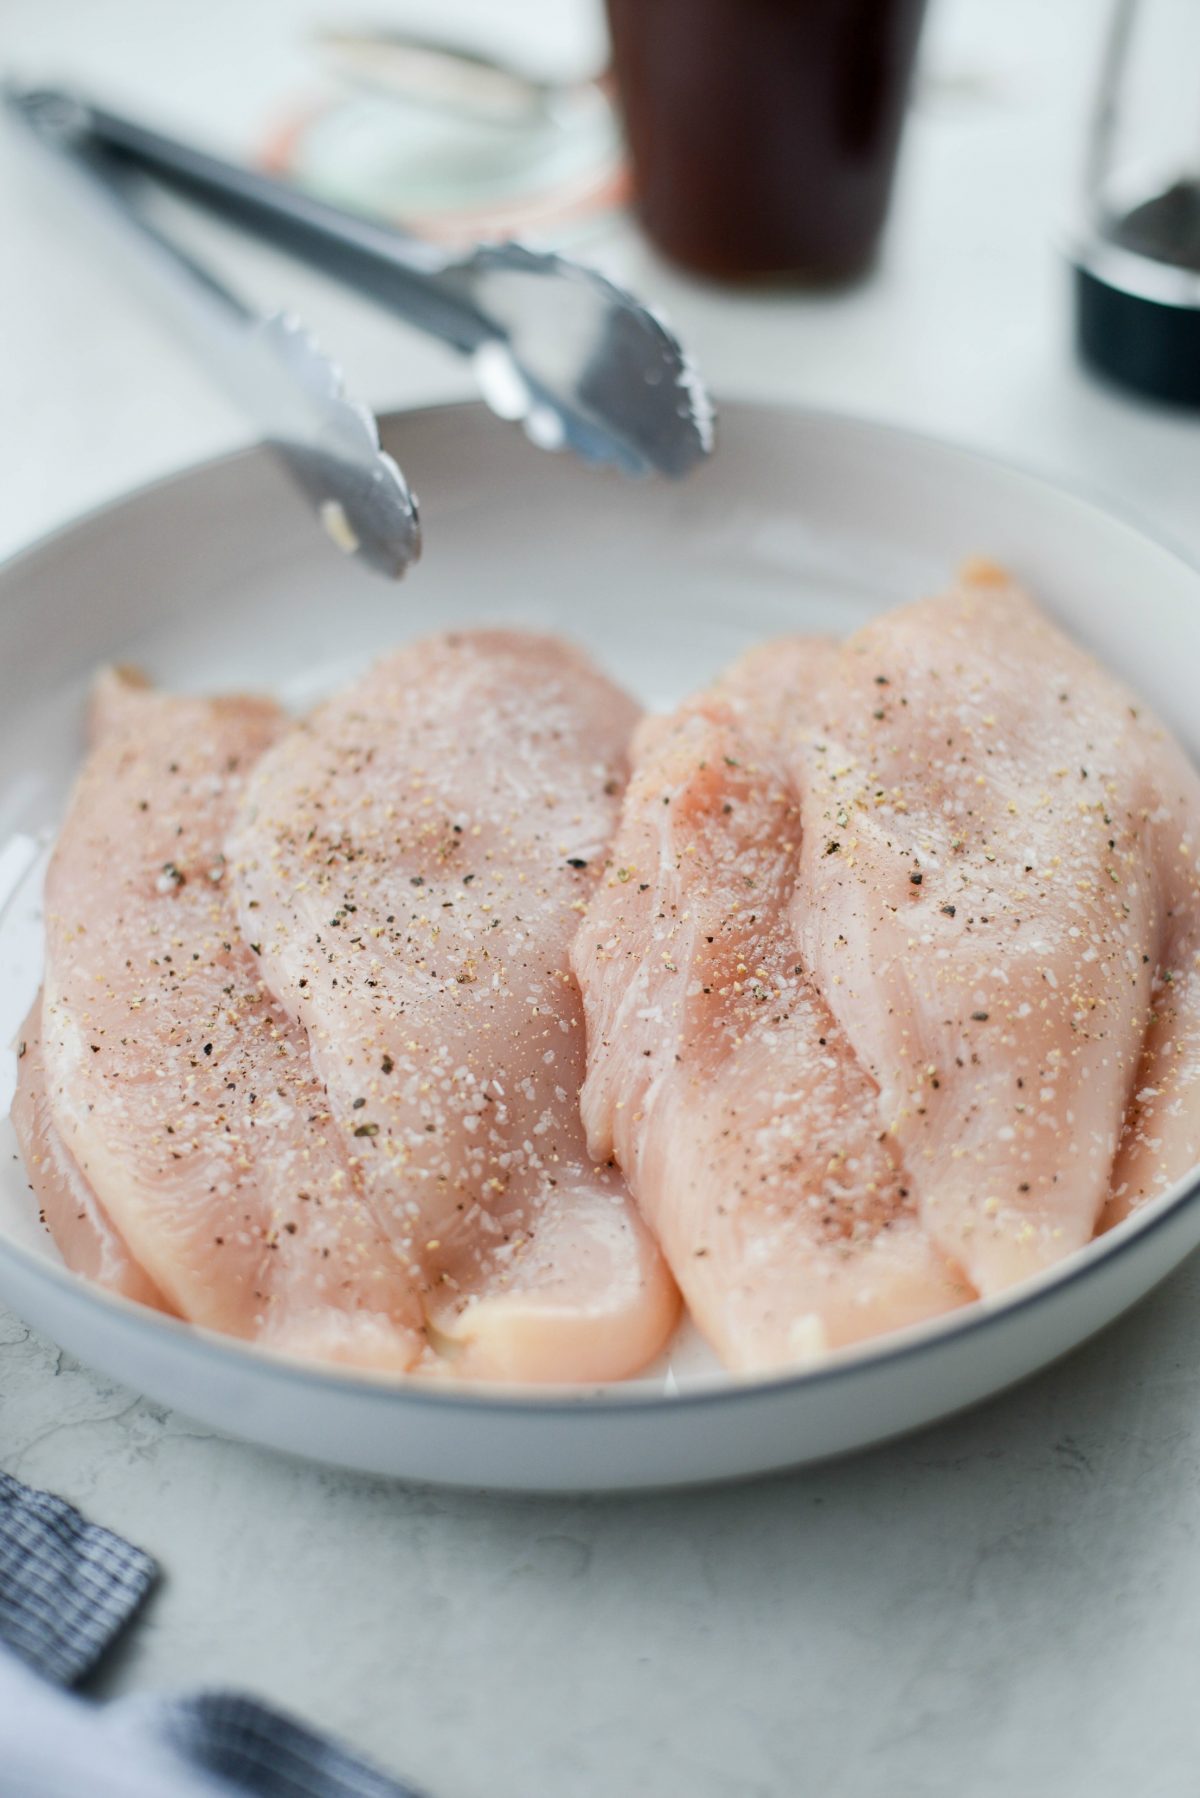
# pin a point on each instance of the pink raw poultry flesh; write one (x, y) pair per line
(413, 862)
(890, 964)
(167, 1078)
(718, 1075)
(968, 848)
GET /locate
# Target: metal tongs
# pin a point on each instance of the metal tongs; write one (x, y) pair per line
(574, 358)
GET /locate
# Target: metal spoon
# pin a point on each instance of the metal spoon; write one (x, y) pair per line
(425, 70)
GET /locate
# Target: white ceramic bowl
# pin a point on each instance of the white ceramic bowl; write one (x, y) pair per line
(217, 578)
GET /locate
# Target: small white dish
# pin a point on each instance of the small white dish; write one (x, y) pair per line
(215, 579)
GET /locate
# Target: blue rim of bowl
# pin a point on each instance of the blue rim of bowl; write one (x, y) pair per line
(552, 1401)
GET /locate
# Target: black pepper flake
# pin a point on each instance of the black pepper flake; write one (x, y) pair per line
(731, 762)
(416, 880)
(576, 861)
(22, 1050)
(979, 1017)
(367, 1130)
(467, 879)
(208, 1048)
(1024, 1186)
(358, 1104)
(257, 948)
(916, 878)
(881, 680)
(832, 848)
(387, 1064)
(949, 910)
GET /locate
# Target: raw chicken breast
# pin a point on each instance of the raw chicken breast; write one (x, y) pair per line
(1160, 1142)
(995, 837)
(1161, 1139)
(183, 1096)
(85, 1235)
(717, 1073)
(412, 863)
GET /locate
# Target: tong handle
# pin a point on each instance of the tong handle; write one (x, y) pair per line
(386, 264)
(267, 364)
(58, 124)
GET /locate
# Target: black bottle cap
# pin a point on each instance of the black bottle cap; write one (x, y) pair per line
(1137, 320)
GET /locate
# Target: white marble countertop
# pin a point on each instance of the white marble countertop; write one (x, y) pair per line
(1009, 1603)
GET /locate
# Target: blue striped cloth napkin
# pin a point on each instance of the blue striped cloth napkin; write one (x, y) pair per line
(67, 1590)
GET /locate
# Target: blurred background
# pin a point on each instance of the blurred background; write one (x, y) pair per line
(960, 322)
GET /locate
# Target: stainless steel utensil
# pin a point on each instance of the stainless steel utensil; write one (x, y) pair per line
(269, 364)
(579, 362)
(425, 70)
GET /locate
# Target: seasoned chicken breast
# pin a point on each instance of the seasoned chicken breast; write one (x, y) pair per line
(718, 1074)
(999, 843)
(895, 952)
(410, 865)
(86, 1237)
(178, 1090)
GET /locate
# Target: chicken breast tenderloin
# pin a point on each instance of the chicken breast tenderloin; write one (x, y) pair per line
(410, 865)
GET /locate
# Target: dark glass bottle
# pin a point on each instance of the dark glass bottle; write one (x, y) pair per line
(763, 133)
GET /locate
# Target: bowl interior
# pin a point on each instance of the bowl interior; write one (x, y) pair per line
(218, 579)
